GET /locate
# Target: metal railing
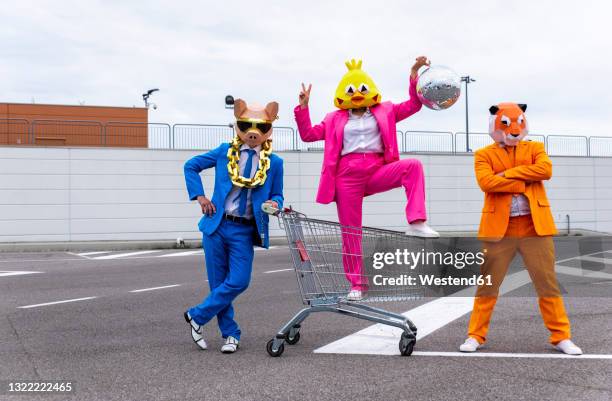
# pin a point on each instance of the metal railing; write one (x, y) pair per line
(600, 146)
(428, 141)
(200, 136)
(18, 131)
(567, 145)
(67, 133)
(131, 134)
(15, 131)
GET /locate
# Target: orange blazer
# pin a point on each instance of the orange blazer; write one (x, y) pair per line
(524, 175)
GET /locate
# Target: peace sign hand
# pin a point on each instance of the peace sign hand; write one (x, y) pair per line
(305, 95)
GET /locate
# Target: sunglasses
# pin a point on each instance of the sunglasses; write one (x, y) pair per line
(246, 124)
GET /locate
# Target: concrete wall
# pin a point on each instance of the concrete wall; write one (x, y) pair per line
(80, 194)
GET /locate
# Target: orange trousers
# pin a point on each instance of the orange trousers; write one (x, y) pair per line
(538, 254)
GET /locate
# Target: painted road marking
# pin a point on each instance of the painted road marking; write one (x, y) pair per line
(509, 355)
(269, 248)
(580, 272)
(606, 261)
(381, 339)
(55, 303)
(187, 253)
(123, 255)
(5, 273)
(90, 253)
(277, 271)
(156, 288)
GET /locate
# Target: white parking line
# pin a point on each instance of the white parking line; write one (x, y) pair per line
(5, 273)
(55, 303)
(277, 271)
(123, 255)
(268, 249)
(381, 339)
(156, 288)
(580, 272)
(90, 253)
(509, 355)
(187, 253)
(606, 261)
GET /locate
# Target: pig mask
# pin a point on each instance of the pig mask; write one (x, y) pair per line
(254, 123)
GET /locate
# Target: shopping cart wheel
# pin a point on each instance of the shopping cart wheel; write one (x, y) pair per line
(406, 344)
(275, 350)
(292, 340)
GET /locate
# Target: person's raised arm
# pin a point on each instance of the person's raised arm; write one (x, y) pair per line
(307, 131)
(413, 104)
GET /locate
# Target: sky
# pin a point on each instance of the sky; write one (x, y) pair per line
(556, 56)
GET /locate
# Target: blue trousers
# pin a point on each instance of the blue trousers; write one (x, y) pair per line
(229, 262)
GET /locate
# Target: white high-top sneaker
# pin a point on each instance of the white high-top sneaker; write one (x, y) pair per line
(421, 229)
(568, 347)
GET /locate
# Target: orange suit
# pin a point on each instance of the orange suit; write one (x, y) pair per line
(524, 167)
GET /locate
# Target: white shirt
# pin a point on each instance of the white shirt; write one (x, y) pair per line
(361, 134)
(520, 203)
(232, 202)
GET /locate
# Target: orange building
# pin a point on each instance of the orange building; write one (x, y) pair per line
(63, 125)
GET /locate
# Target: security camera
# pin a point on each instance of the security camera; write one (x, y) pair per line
(229, 102)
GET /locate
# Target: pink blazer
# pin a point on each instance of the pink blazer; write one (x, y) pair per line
(331, 129)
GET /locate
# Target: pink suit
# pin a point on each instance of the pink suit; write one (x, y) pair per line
(348, 179)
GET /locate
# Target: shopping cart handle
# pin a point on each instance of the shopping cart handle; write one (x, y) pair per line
(269, 209)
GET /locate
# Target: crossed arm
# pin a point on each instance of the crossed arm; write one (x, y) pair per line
(540, 170)
(515, 179)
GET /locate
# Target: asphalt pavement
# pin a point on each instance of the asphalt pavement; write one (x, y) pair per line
(111, 322)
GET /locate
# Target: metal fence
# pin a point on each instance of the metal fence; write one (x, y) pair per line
(15, 131)
(566, 145)
(428, 141)
(208, 136)
(67, 133)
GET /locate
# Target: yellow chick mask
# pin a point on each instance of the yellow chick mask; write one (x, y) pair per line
(356, 89)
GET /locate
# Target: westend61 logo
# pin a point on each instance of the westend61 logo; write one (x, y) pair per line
(401, 261)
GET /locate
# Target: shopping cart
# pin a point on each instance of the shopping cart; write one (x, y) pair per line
(319, 253)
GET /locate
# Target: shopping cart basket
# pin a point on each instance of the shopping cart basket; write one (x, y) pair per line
(320, 250)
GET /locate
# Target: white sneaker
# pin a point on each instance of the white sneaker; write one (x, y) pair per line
(230, 346)
(354, 295)
(196, 332)
(421, 229)
(568, 347)
(470, 345)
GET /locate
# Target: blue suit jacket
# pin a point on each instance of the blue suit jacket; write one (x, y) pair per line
(272, 189)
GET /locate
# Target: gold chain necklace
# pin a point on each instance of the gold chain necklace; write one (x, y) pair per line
(233, 158)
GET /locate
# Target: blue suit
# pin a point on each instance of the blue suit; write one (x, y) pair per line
(228, 246)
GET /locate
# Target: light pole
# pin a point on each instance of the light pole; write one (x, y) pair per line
(467, 81)
(145, 98)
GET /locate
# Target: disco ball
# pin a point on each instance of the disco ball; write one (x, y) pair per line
(438, 87)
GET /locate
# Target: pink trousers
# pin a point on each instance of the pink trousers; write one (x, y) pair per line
(363, 174)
